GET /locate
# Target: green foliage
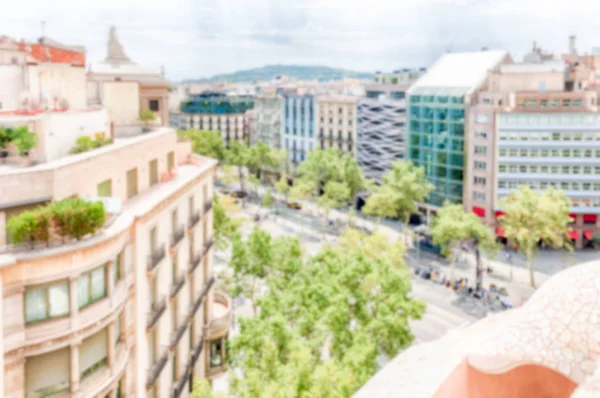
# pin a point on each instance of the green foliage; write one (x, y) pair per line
(86, 143)
(596, 239)
(224, 227)
(202, 389)
(5, 137)
(324, 320)
(68, 218)
(268, 200)
(146, 116)
(380, 205)
(23, 139)
(530, 216)
(206, 143)
(283, 186)
(301, 190)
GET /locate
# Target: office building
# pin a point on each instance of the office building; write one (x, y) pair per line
(336, 123)
(299, 126)
(215, 111)
(381, 123)
(267, 121)
(125, 88)
(127, 310)
(438, 105)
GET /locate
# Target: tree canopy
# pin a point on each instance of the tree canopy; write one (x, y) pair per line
(322, 320)
(530, 217)
(206, 143)
(224, 227)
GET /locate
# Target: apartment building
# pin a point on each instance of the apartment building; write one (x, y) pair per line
(438, 106)
(129, 310)
(125, 88)
(381, 122)
(214, 110)
(336, 123)
(267, 121)
(299, 125)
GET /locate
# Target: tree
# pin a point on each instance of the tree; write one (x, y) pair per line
(147, 116)
(530, 217)
(353, 177)
(335, 195)
(224, 227)
(380, 205)
(206, 143)
(254, 184)
(268, 200)
(202, 389)
(239, 155)
(323, 321)
(283, 186)
(320, 167)
(406, 185)
(452, 226)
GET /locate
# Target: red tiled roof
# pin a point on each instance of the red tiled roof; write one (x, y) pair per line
(56, 55)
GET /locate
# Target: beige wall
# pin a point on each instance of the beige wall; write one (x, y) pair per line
(160, 94)
(525, 81)
(59, 80)
(122, 101)
(12, 81)
(331, 121)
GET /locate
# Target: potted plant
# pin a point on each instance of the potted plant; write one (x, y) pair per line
(5, 137)
(147, 117)
(24, 140)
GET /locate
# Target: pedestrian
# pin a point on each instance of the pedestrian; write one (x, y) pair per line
(508, 257)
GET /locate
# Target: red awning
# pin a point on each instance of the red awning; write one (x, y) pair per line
(500, 232)
(590, 218)
(588, 235)
(573, 216)
(573, 235)
(479, 211)
(499, 213)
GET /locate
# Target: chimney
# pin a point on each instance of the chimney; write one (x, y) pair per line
(572, 49)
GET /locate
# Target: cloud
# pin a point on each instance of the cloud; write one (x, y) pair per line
(196, 38)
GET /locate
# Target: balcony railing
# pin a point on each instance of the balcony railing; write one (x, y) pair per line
(207, 245)
(219, 324)
(177, 334)
(156, 369)
(194, 262)
(208, 206)
(193, 220)
(198, 301)
(156, 310)
(196, 353)
(156, 257)
(177, 235)
(177, 285)
(180, 385)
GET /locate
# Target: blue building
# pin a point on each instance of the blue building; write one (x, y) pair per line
(298, 126)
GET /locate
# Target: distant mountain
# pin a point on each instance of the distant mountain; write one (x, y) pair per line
(270, 72)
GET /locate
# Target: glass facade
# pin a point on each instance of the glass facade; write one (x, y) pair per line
(217, 103)
(436, 141)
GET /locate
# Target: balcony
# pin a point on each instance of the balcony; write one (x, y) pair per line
(221, 320)
(156, 257)
(180, 385)
(198, 301)
(177, 236)
(177, 334)
(207, 245)
(193, 220)
(156, 369)
(176, 286)
(194, 262)
(208, 206)
(157, 309)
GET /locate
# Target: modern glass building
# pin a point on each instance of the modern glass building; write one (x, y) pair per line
(437, 105)
(299, 125)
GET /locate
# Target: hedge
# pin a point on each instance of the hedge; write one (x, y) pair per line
(71, 218)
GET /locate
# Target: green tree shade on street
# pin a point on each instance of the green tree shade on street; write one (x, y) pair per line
(323, 320)
(239, 155)
(530, 216)
(452, 226)
(406, 185)
(224, 227)
(268, 200)
(206, 143)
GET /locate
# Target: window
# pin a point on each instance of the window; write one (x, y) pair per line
(481, 118)
(132, 184)
(46, 302)
(502, 168)
(91, 286)
(154, 105)
(93, 354)
(48, 373)
(216, 357)
(105, 188)
(480, 149)
(118, 272)
(170, 161)
(479, 180)
(153, 171)
(481, 135)
(478, 196)
(480, 165)
(118, 328)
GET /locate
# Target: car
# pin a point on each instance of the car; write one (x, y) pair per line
(224, 191)
(239, 194)
(295, 205)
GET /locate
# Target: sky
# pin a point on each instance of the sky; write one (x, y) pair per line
(200, 38)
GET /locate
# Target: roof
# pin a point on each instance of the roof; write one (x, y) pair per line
(127, 71)
(461, 72)
(551, 66)
(48, 53)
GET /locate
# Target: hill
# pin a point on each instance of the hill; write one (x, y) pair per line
(269, 72)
